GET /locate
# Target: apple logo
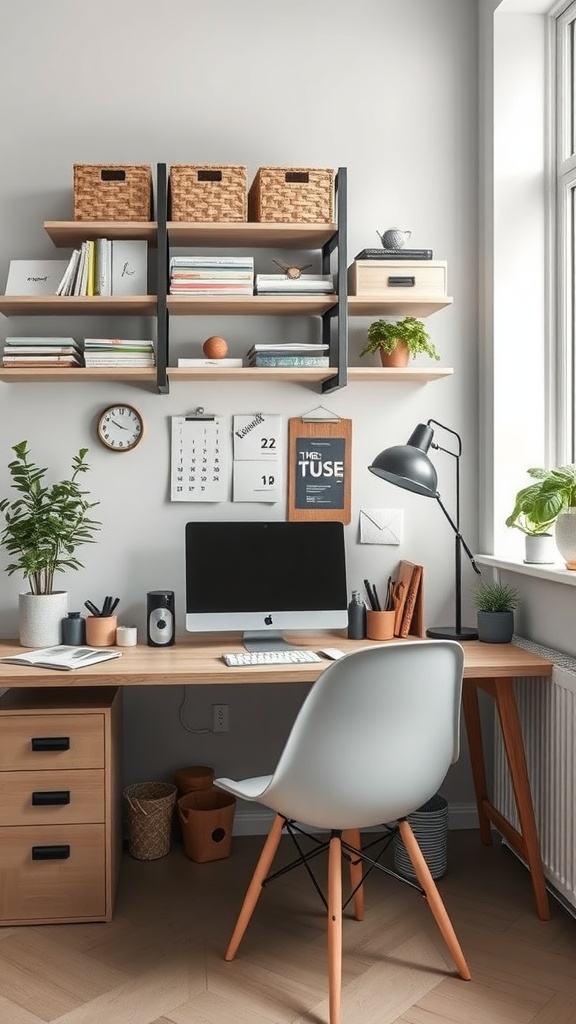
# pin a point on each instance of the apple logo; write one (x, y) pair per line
(268, 620)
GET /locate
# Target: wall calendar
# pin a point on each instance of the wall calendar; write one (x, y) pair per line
(199, 465)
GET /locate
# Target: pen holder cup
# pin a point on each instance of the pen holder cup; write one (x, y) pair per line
(101, 630)
(380, 625)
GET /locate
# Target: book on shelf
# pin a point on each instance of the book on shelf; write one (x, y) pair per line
(184, 361)
(62, 657)
(209, 262)
(66, 285)
(285, 348)
(117, 345)
(214, 288)
(395, 254)
(119, 359)
(103, 255)
(42, 350)
(41, 342)
(262, 359)
(408, 603)
(129, 267)
(41, 361)
(35, 277)
(321, 284)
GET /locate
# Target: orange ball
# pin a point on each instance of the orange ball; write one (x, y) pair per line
(215, 347)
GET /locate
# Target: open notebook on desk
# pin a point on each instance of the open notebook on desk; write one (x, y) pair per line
(63, 657)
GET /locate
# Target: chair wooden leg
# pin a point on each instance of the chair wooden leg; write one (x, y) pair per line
(334, 928)
(434, 900)
(354, 838)
(255, 887)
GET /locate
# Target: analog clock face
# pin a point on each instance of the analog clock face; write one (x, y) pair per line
(120, 427)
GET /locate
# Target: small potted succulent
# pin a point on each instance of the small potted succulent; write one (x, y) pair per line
(42, 528)
(495, 604)
(398, 341)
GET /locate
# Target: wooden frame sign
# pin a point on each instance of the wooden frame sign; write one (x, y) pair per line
(319, 469)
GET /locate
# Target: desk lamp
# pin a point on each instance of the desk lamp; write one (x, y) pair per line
(408, 466)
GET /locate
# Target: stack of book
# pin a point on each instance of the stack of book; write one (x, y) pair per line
(287, 355)
(212, 275)
(306, 284)
(105, 267)
(41, 352)
(118, 352)
(395, 254)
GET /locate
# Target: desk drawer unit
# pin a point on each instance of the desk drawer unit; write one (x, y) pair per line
(397, 279)
(60, 824)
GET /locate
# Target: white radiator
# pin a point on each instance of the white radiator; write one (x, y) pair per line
(547, 709)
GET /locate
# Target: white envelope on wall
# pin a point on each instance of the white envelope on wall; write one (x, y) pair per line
(381, 525)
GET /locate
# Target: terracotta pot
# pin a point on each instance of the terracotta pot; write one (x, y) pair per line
(400, 356)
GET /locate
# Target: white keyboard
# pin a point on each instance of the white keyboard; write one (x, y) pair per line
(294, 657)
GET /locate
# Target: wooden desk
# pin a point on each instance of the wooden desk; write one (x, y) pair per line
(488, 667)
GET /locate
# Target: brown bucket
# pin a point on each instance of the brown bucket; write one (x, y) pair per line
(206, 818)
(149, 807)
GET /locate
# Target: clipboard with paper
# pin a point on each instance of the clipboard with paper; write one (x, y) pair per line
(319, 467)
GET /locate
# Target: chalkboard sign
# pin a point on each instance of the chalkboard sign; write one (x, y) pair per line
(319, 470)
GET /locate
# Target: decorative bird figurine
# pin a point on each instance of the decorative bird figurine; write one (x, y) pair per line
(292, 273)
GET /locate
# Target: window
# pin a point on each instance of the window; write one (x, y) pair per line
(565, 162)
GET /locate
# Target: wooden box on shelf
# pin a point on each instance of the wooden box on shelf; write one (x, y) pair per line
(398, 278)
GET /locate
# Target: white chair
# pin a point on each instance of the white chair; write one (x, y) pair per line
(372, 742)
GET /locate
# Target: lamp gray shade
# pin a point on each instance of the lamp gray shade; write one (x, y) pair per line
(407, 465)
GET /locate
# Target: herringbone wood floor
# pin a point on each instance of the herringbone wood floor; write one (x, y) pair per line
(160, 961)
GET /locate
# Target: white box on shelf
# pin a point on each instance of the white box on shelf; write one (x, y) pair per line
(397, 279)
(129, 267)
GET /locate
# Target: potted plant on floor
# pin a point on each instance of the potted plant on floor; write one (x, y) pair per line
(495, 604)
(548, 503)
(398, 341)
(42, 528)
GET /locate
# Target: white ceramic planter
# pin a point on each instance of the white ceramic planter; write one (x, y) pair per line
(40, 618)
(565, 533)
(540, 549)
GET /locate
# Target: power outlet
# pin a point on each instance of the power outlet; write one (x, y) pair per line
(220, 717)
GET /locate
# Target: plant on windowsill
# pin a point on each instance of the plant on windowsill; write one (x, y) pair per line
(42, 528)
(538, 509)
(495, 604)
(398, 341)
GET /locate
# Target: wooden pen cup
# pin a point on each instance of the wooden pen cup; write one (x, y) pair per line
(101, 630)
(380, 625)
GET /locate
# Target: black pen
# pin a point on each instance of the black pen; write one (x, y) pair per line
(113, 605)
(92, 608)
(368, 588)
(377, 605)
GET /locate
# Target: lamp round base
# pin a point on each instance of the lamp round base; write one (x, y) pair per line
(450, 633)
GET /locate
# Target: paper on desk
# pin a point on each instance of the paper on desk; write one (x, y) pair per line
(381, 525)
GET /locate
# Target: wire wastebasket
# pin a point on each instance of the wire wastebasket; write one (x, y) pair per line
(149, 809)
(430, 826)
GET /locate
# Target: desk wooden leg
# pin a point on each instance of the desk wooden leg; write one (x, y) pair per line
(514, 747)
(474, 734)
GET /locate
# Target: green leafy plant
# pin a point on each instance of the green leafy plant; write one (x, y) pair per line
(383, 334)
(495, 597)
(538, 506)
(43, 527)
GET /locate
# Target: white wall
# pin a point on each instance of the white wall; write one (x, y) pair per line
(388, 90)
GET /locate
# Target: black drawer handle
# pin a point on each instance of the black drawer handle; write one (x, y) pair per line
(50, 743)
(401, 282)
(49, 797)
(60, 852)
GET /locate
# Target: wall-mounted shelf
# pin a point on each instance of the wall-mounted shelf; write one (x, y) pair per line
(252, 235)
(71, 233)
(79, 305)
(357, 374)
(261, 374)
(80, 375)
(361, 305)
(250, 305)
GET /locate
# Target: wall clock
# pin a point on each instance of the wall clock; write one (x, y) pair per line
(120, 427)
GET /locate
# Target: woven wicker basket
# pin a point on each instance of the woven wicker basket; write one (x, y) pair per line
(207, 192)
(112, 192)
(292, 195)
(149, 809)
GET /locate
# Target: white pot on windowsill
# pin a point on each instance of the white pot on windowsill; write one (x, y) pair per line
(565, 533)
(540, 549)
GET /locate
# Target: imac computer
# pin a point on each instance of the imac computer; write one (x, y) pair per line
(263, 578)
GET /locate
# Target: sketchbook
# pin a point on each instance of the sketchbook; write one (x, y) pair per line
(62, 657)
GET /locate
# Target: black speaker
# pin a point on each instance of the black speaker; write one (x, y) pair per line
(160, 618)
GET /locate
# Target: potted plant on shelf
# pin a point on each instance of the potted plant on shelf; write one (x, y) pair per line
(398, 341)
(495, 604)
(42, 528)
(548, 503)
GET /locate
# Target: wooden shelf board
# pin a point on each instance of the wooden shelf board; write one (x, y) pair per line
(253, 235)
(299, 374)
(383, 305)
(71, 232)
(249, 305)
(397, 373)
(68, 305)
(82, 374)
